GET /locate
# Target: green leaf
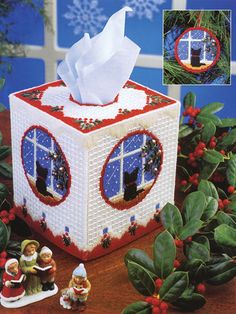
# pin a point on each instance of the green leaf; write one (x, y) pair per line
(174, 286)
(212, 156)
(208, 117)
(5, 170)
(3, 236)
(204, 241)
(189, 100)
(228, 139)
(197, 251)
(208, 131)
(231, 170)
(171, 218)
(0, 138)
(140, 257)
(228, 122)
(221, 193)
(207, 170)
(191, 227)
(194, 205)
(225, 236)
(208, 188)
(221, 273)
(3, 192)
(223, 218)
(2, 82)
(164, 252)
(190, 302)
(4, 152)
(139, 307)
(185, 130)
(2, 107)
(140, 279)
(212, 107)
(211, 208)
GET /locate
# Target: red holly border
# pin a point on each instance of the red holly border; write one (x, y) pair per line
(177, 43)
(38, 195)
(101, 187)
(106, 122)
(98, 250)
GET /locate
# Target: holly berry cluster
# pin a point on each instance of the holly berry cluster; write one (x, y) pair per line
(8, 216)
(158, 306)
(192, 113)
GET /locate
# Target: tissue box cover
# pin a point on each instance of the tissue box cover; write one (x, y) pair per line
(92, 178)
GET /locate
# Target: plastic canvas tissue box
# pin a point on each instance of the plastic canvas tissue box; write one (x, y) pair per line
(94, 155)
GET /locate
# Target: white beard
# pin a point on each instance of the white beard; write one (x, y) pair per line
(29, 258)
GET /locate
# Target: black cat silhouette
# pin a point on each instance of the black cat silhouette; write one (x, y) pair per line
(130, 191)
(41, 185)
(195, 57)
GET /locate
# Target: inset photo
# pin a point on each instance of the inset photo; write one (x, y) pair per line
(196, 47)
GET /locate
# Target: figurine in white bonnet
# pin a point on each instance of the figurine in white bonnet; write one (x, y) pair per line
(48, 276)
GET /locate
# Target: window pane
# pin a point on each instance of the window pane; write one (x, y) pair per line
(111, 179)
(133, 142)
(198, 34)
(116, 152)
(28, 156)
(43, 138)
(183, 50)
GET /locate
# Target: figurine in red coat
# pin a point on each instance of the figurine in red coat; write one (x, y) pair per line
(12, 282)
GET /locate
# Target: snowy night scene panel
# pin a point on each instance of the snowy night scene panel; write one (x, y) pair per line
(45, 162)
(133, 142)
(197, 34)
(111, 179)
(43, 138)
(28, 156)
(183, 50)
(116, 152)
(131, 162)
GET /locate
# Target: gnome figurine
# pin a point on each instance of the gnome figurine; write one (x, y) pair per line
(75, 296)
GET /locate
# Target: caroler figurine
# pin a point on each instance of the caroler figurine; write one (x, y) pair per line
(29, 280)
(76, 294)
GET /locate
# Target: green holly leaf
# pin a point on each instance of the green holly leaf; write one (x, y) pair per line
(208, 188)
(185, 130)
(231, 170)
(189, 100)
(4, 152)
(5, 170)
(212, 108)
(228, 122)
(228, 140)
(210, 209)
(221, 193)
(171, 218)
(208, 117)
(193, 205)
(3, 192)
(223, 218)
(140, 279)
(208, 131)
(164, 253)
(3, 236)
(0, 138)
(140, 257)
(139, 307)
(191, 227)
(190, 302)
(212, 156)
(2, 107)
(207, 170)
(225, 236)
(204, 241)
(197, 251)
(220, 273)
(232, 206)
(174, 286)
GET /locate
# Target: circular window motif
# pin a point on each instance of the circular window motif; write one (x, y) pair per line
(45, 166)
(197, 49)
(131, 169)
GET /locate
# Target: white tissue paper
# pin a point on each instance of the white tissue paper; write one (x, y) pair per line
(95, 69)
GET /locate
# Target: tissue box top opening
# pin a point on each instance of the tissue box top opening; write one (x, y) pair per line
(55, 99)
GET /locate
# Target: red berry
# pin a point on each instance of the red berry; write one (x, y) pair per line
(163, 306)
(148, 300)
(201, 145)
(185, 113)
(212, 139)
(179, 148)
(198, 110)
(201, 288)
(226, 202)
(156, 310)
(196, 175)
(3, 213)
(220, 204)
(12, 217)
(190, 121)
(3, 254)
(183, 182)
(179, 243)
(195, 182)
(231, 189)
(2, 262)
(176, 263)
(155, 301)
(199, 125)
(222, 152)
(159, 283)
(212, 144)
(12, 211)
(189, 239)
(199, 152)
(5, 220)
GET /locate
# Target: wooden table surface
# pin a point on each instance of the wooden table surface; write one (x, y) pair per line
(111, 290)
